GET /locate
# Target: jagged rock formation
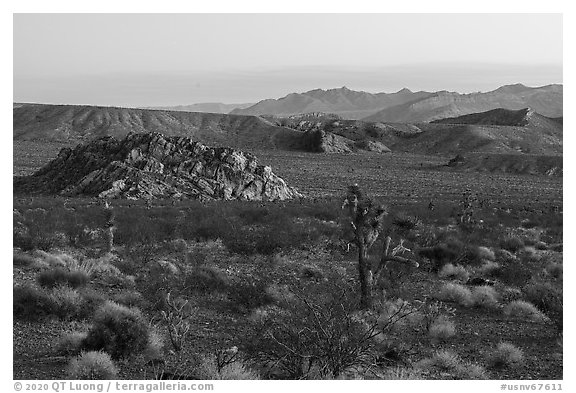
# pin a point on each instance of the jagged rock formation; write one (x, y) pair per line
(320, 141)
(152, 165)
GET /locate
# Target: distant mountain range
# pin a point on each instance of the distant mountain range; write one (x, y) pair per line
(406, 106)
(208, 107)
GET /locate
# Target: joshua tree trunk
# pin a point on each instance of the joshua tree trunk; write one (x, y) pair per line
(365, 277)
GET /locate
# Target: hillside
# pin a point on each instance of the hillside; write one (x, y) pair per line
(546, 100)
(208, 107)
(347, 103)
(525, 164)
(73, 124)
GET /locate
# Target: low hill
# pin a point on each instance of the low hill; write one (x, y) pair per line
(347, 103)
(73, 124)
(208, 107)
(505, 117)
(151, 165)
(546, 100)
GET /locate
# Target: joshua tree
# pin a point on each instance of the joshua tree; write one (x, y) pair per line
(367, 221)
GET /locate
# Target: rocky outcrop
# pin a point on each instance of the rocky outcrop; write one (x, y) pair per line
(320, 141)
(152, 165)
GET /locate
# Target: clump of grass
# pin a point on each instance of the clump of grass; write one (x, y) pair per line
(129, 298)
(456, 293)
(451, 363)
(402, 373)
(451, 272)
(60, 276)
(93, 365)
(523, 309)
(206, 279)
(485, 296)
(70, 343)
(486, 254)
(67, 302)
(118, 330)
(489, 268)
(512, 243)
(442, 328)
(506, 355)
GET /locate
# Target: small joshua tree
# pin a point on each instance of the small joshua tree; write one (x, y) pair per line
(366, 222)
(110, 224)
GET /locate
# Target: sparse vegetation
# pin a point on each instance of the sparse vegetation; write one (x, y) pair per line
(506, 355)
(92, 365)
(456, 293)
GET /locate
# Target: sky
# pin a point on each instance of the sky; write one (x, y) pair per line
(177, 59)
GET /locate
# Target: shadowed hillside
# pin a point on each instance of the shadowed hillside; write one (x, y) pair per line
(69, 123)
(208, 107)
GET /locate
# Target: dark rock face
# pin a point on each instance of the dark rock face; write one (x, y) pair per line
(320, 141)
(151, 165)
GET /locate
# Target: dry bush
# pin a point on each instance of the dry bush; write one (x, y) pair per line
(485, 296)
(67, 303)
(456, 293)
(402, 373)
(118, 330)
(70, 343)
(447, 362)
(225, 365)
(442, 328)
(58, 276)
(451, 272)
(31, 303)
(523, 309)
(506, 355)
(488, 268)
(555, 270)
(512, 243)
(93, 365)
(486, 254)
(155, 348)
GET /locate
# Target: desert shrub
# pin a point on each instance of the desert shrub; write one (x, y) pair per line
(117, 330)
(219, 368)
(67, 303)
(486, 254)
(441, 360)
(317, 331)
(513, 272)
(155, 347)
(311, 272)
(512, 243)
(446, 252)
(442, 329)
(456, 293)
(449, 271)
(280, 294)
(548, 297)
(92, 365)
(60, 276)
(485, 296)
(23, 260)
(129, 298)
(555, 270)
(250, 294)
(206, 279)
(93, 299)
(489, 268)
(505, 355)
(523, 309)
(31, 303)
(70, 343)
(447, 362)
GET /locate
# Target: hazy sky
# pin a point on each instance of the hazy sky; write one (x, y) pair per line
(170, 59)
